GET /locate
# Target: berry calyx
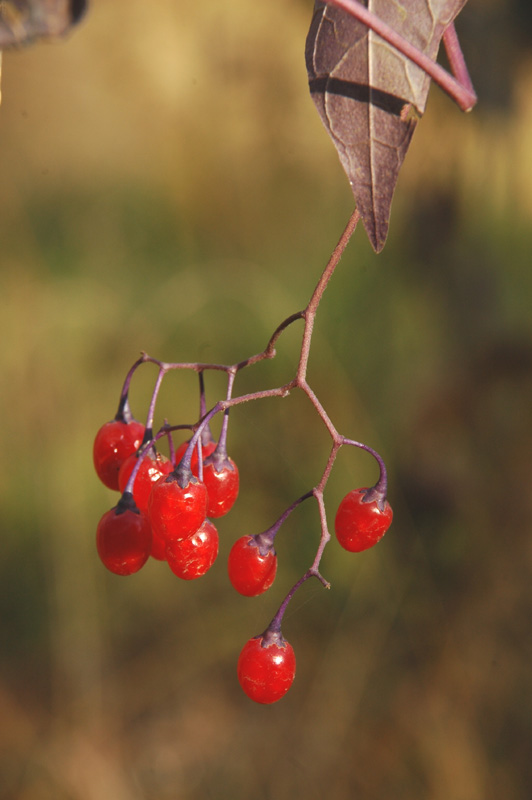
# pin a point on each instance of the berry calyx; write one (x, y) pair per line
(177, 506)
(192, 557)
(266, 668)
(361, 520)
(114, 442)
(251, 568)
(222, 482)
(123, 537)
(149, 472)
(206, 450)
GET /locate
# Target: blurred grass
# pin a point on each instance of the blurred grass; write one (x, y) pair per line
(165, 185)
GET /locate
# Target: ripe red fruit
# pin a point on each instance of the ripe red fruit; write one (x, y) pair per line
(123, 538)
(191, 557)
(266, 671)
(174, 511)
(158, 547)
(114, 442)
(206, 450)
(150, 470)
(222, 487)
(359, 525)
(250, 571)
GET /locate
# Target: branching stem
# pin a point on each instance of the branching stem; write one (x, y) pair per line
(201, 428)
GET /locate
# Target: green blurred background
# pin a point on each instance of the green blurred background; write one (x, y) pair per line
(166, 185)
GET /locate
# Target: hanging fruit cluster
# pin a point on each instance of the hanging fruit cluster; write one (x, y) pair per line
(167, 506)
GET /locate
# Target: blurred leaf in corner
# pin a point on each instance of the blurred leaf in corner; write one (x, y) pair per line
(24, 21)
(370, 96)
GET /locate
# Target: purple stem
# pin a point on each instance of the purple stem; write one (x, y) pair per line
(456, 58)
(273, 631)
(124, 412)
(171, 448)
(266, 539)
(269, 351)
(377, 492)
(219, 457)
(206, 434)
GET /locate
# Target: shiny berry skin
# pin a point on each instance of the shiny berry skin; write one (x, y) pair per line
(250, 572)
(158, 547)
(360, 525)
(123, 538)
(174, 511)
(150, 470)
(222, 487)
(114, 442)
(266, 672)
(192, 557)
(206, 451)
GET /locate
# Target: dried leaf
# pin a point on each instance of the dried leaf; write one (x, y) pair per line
(369, 95)
(22, 21)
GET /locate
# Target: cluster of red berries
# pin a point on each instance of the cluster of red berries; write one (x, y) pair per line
(165, 511)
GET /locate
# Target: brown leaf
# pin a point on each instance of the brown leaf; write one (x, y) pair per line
(22, 21)
(369, 96)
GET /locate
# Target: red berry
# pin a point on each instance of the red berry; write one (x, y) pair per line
(123, 539)
(359, 524)
(206, 450)
(266, 671)
(222, 487)
(114, 442)
(158, 547)
(251, 572)
(174, 511)
(150, 470)
(191, 557)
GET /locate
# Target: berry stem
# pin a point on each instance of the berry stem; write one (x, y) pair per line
(220, 454)
(273, 631)
(274, 628)
(124, 412)
(206, 434)
(151, 410)
(266, 539)
(377, 492)
(171, 448)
